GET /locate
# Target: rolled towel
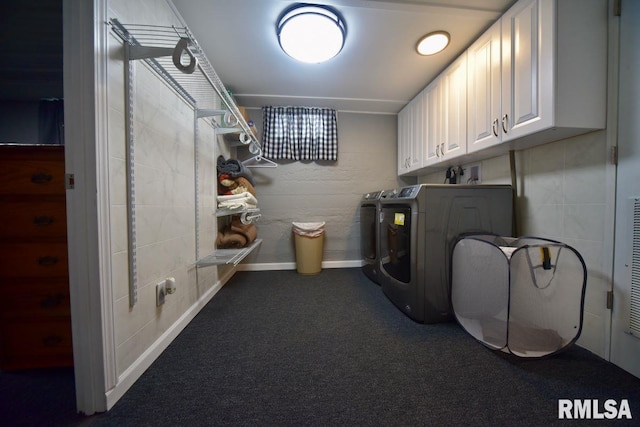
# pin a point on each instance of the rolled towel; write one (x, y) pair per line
(228, 185)
(244, 182)
(234, 168)
(249, 231)
(228, 239)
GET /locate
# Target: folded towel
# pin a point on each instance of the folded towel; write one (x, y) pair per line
(243, 200)
(234, 168)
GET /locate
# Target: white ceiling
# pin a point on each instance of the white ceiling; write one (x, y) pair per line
(377, 71)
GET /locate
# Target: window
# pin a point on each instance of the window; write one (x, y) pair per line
(300, 133)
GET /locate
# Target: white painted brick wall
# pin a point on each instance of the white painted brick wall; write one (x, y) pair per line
(326, 191)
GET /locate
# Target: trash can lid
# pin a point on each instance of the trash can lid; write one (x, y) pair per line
(311, 229)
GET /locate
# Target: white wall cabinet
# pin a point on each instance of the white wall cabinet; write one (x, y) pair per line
(455, 107)
(411, 135)
(434, 114)
(446, 114)
(539, 74)
(483, 86)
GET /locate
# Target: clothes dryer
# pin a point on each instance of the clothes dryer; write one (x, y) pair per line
(369, 238)
(418, 227)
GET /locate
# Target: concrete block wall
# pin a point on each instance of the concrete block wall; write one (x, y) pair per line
(324, 191)
(165, 195)
(562, 196)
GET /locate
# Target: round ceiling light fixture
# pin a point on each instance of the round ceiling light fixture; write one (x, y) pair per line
(433, 43)
(311, 33)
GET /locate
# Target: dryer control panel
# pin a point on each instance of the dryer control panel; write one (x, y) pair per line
(409, 192)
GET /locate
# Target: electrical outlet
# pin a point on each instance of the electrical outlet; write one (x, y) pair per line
(161, 293)
(472, 174)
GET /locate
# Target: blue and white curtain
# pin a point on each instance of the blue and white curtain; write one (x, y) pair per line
(300, 133)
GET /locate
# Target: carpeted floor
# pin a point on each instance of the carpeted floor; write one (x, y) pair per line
(279, 349)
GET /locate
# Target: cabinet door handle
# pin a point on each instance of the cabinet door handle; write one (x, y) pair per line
(505, 123)
(438, 150)
(47, 261)
(442, 149)
(43, 220)
(41, 178)
(494, 127)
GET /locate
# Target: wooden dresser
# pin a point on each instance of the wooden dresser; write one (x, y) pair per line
(35, 328)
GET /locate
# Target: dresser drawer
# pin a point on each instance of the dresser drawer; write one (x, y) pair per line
(31, 220)
(36, 344)
(35, 299)
(22, 260)
(31, 170)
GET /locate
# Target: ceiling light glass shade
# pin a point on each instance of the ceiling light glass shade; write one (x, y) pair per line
(433, 43)
(311, 33)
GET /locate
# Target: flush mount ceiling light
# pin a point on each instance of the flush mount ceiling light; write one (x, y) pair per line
(433, 43)
(311, 33)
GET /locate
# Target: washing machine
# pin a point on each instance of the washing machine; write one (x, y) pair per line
(369, 240)
(418, 226)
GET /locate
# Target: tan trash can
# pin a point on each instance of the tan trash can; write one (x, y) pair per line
(309, 242)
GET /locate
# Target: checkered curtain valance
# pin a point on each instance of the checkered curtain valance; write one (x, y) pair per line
(300, 133)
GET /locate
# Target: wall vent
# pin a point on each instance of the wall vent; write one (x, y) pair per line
(634, 318)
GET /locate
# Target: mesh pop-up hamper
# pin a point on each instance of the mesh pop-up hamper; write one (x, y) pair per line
(523, 296)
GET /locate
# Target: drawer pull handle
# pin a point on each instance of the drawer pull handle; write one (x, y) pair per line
(46, 261)
(52, 301)
(52, 341)
(41, 178)
(43, 221)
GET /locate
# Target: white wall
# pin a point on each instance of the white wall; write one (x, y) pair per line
(165, 197)
(325, 191)
(562, 195)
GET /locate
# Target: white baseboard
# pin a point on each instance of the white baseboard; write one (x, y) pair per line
(267, 266)
(133, 373)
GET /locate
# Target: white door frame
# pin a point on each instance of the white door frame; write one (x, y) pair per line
(86, 155)
(625, 348)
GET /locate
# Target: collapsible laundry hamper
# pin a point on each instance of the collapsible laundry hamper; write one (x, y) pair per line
(523, 296)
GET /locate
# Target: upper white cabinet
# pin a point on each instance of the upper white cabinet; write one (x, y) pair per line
(411, 135)
(432, 97)
(455, 99)
(483, 88)
(538, 74)
(446, 114)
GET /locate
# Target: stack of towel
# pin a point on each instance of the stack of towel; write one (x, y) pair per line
(235, 191)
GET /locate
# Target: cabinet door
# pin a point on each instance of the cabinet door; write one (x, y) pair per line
(411, 135)
(455, 103)
(417, 132)
(433, 106)
(403, 142)
(528, 31)
(483, 88)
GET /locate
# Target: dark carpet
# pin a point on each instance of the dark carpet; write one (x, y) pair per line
(280, 349)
